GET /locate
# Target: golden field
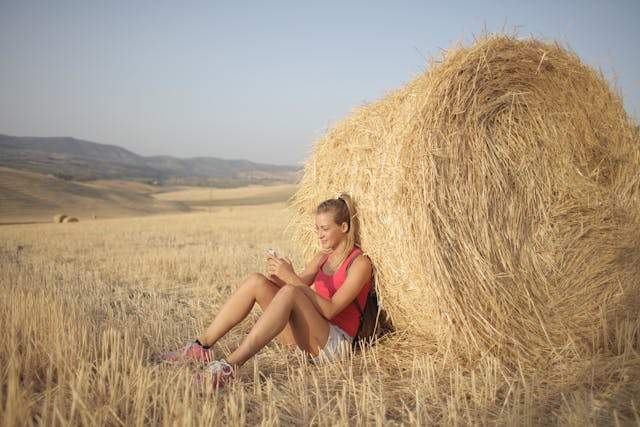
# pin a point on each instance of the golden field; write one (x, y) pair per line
(86, 307)
(199, 197)
(29, 197)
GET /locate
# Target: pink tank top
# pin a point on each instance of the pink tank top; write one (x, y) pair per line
(327, 285)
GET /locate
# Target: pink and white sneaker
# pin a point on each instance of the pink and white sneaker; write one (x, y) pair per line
(192, 352)
(217, 374)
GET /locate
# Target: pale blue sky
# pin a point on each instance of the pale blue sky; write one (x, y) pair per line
(257, 80)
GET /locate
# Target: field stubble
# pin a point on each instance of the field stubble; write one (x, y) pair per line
(85, 309)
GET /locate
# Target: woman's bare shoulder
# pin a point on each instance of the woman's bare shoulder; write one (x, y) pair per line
(363, 259)
(363, 262)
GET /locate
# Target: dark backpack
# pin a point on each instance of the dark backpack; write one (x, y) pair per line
(372, 319)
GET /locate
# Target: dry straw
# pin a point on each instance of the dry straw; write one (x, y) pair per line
(59, 218)
(70, 219)
(499, 199)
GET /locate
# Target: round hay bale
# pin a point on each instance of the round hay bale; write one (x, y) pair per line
(70, 219)
(59, 218)
(498, 196)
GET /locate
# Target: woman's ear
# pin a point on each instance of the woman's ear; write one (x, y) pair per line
(344, 227)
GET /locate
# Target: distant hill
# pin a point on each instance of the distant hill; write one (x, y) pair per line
(76, 159)
(29, 196)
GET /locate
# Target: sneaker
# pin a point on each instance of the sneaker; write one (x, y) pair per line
(218, 372)
(192, 352)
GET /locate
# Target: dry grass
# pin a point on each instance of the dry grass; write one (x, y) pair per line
(132, 186)
(85, 309)
(499, 199)
(199, 197)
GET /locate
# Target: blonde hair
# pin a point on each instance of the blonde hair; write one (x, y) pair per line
(343, 210)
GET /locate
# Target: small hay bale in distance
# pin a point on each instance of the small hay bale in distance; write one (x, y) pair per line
(70, 219)
(59, 218)
(499, 199)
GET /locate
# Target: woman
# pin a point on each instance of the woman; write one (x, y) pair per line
(314, 311)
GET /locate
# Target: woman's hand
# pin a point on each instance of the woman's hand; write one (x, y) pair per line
(281, 268)
(320, 257)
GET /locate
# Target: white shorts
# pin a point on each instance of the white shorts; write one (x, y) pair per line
(338, 343)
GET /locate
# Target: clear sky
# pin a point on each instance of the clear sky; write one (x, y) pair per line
(257, 80)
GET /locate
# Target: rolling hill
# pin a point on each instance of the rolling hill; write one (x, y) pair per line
(80, 160)
(33, 197)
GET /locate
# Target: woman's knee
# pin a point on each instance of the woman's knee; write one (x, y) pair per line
(288, 292)
(251, 282)
(255, 279)
(260, 285)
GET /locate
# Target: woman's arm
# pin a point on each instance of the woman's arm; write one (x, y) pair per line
(311, 269)
(305, 278)
(358, 274)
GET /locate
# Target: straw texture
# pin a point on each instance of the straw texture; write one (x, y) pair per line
(59, 218)
(498, 196)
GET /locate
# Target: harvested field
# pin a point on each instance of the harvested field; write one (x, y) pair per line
(85, 309)
(199, 197)
(507, 259)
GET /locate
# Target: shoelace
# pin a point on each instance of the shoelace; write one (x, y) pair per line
(221, 366)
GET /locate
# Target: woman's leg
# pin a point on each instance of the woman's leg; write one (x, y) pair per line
(292, 307)
(255, 288)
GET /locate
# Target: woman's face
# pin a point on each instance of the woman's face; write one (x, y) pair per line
(330, 234)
